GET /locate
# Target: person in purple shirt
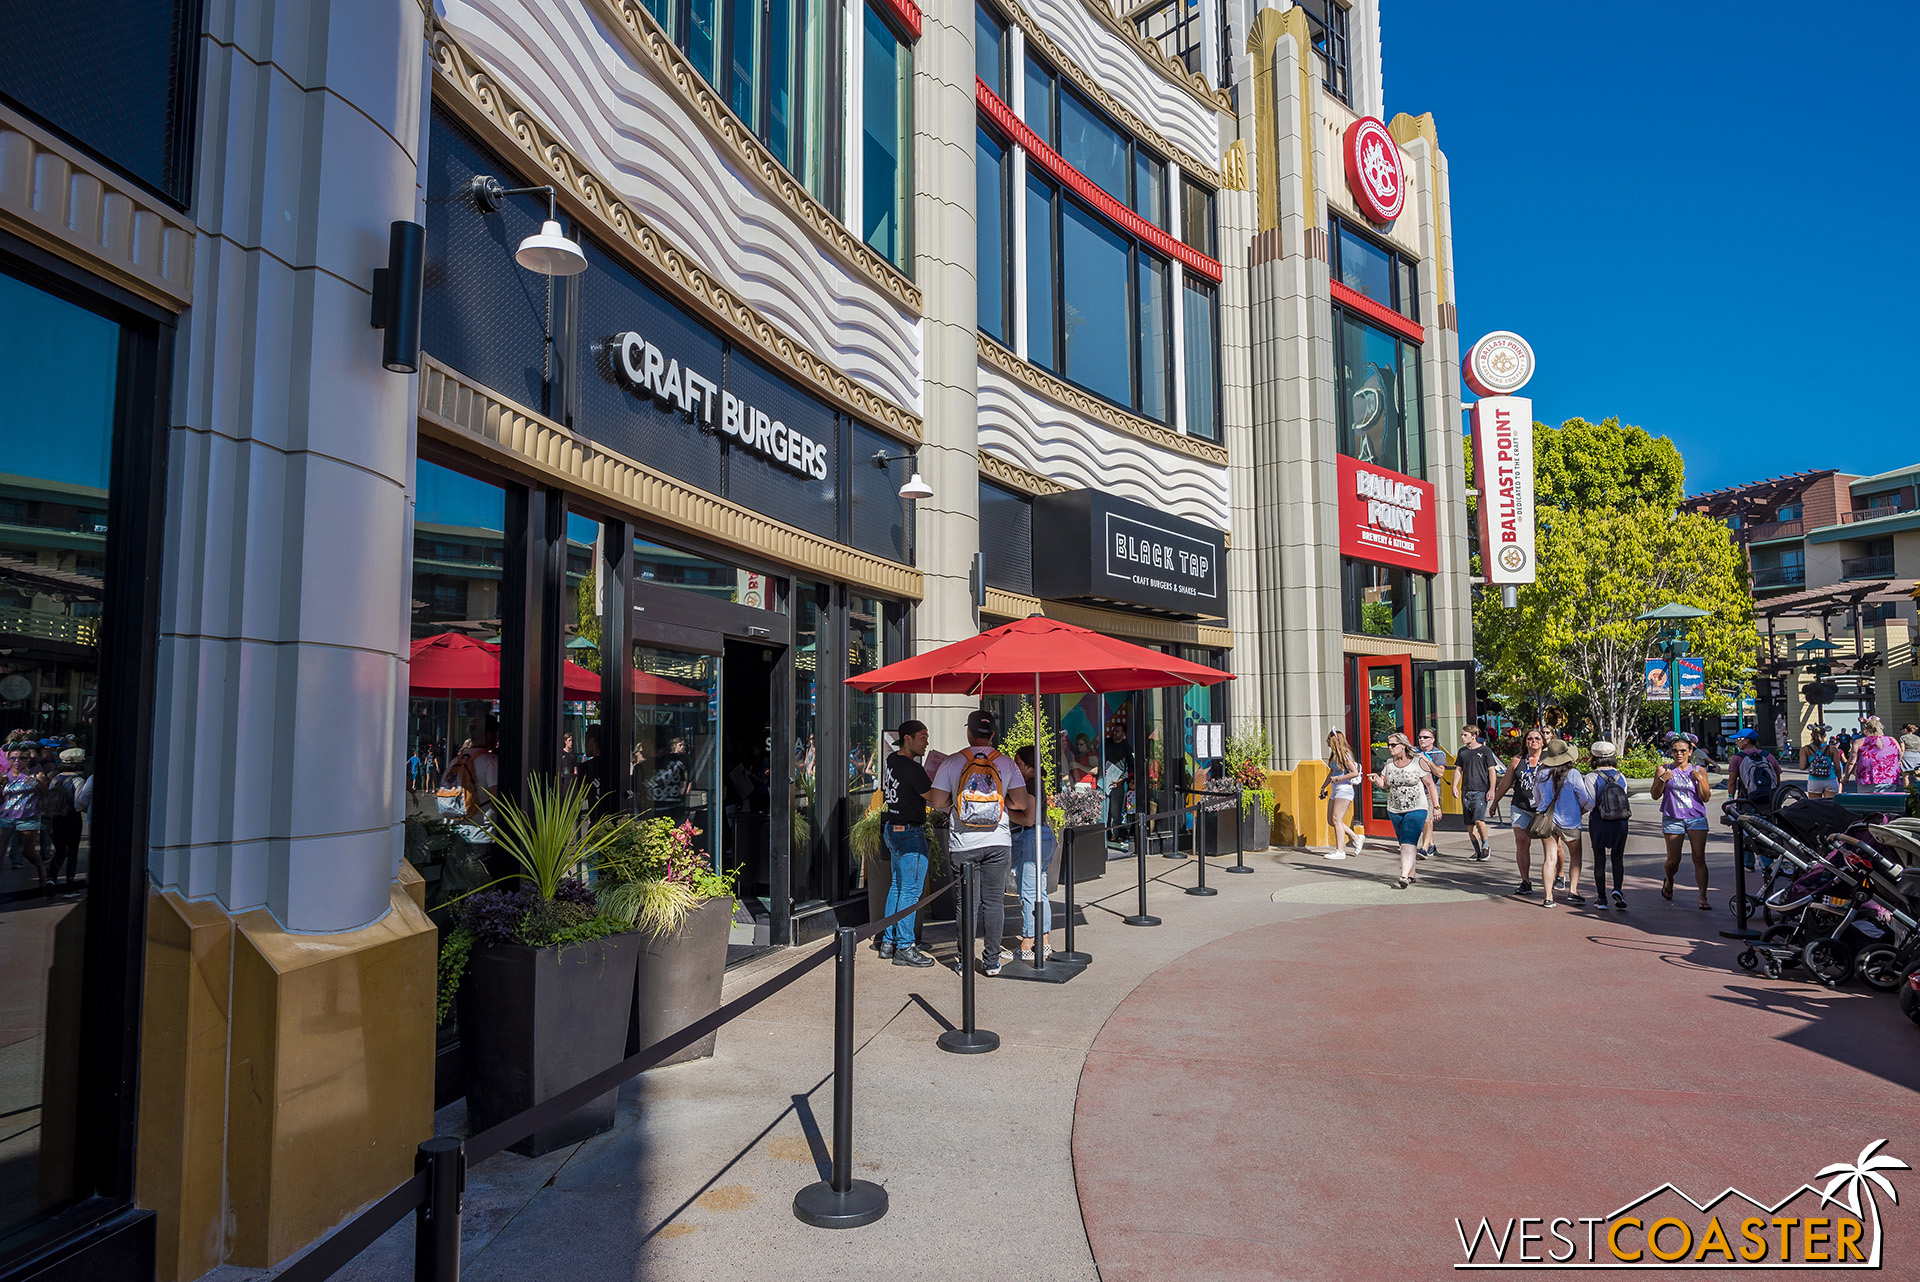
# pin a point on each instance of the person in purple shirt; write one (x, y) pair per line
(1681, 789)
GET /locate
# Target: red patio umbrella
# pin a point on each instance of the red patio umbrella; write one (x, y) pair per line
(453, 665)
(1041, 655)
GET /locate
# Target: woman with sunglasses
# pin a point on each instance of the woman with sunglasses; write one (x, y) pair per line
(1405, 779)
(1523, 780)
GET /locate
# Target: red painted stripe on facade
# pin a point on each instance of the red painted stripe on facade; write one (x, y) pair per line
(1002, 115)
(907, 14)
(1347, 296)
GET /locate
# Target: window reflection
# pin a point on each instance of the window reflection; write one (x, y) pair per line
(1041, 256)
(1203, 370)
(1386, 601)
(657, 564)
(866, 750)
(887, 76)
(581, 733)
(994, 244)
(57, 409)
(1094, 274)
(1379, 396)
(808, 836)
(674, 773)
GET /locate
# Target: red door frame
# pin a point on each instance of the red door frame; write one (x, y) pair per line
(1359, 723)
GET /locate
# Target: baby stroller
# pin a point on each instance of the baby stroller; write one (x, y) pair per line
(1826, 918)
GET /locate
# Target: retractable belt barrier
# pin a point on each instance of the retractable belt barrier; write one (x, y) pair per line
(1144, 824)
(440, 1164)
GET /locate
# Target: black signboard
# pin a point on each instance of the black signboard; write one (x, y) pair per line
(1094, 547)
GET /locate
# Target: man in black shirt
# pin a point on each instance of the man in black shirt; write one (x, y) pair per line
(1473, 769)
(905, 786)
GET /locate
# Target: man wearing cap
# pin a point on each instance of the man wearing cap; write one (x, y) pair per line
(905, 786)
(983, 791)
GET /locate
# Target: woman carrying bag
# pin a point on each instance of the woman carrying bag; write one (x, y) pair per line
(1563, 799)
(1521, 777)
(1405, 779)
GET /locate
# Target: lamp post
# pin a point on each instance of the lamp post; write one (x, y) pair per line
(1672, 618)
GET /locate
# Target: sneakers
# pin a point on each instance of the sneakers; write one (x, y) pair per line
(911, 956)
(1559, 883)
(1576, 898)
(1619, 902)
(885, 948)
(1336, 854)
(1481, 855)
(990, 966)
(1428, 853)
(1526, 888)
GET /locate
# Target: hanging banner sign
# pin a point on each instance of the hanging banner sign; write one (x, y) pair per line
(1387, 518)
(1658, 686)
(1503, 473)
(1693, 679)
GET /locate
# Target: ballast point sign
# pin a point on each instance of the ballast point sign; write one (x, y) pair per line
(1496, 367)
(1387, 518)
(1374, 173)
(645, 368)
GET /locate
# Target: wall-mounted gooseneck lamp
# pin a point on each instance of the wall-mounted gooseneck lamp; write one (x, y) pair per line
(396, 297)
(547, 251)
(915, 488)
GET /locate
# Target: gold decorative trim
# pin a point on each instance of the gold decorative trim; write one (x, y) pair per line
(1037, 35)
(1262, 42)
(1160, 60)
(459, 411)
(1405, 129)
(62, 201)
(1044, 384)
(1355, 643)
(1015, 477)
(1233, 165)
(484, 103)
(644, 36)
(1012, 605)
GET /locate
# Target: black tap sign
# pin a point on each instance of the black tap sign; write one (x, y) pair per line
(1093, 546)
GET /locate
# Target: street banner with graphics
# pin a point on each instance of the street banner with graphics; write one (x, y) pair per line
(1657, 687)
(1503, 473)
(1693, 679)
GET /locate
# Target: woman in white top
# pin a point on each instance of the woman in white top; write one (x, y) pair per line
(1405, 779)
(1343, 773)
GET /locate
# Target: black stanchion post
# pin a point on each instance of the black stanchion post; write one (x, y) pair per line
(1240, 834)
(966, 1039)
(436, 1222)
(1200, 849)
(1072, 956)
(1740, 888)
(842, 1202)
(1140, 855)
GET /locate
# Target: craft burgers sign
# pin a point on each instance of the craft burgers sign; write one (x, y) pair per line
(646, 369)
(1496, 367)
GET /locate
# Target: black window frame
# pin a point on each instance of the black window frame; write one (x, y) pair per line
(1009, 310)
(1200, 284)
(1352, 584)
(1403, 270)
(1410, 369)
(1332, 41)
(1058, 85)
(1001, 84)
(1209, 245)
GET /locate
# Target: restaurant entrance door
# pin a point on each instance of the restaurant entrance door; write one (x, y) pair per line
(1388, 692)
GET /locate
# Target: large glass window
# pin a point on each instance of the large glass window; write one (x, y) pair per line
(1382, 273)
(58, 403)
(1385, 601)
(990, 50)
(1379, 394)
(582, 611)
(886, 131)
(658, 565)
(1042, 259)
(1155, 362)
(810, 835)
(1094, 147)
(1038, 112)
(866, 746)
(1196, 216)
(1201, 331)
(702, 37)
(743, 61)
(1096, 311)
(1328, 21)
(1089, 140)
(675, 770)
(993, 231)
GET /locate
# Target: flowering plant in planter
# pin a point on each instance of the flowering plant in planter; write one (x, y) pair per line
(652, 877)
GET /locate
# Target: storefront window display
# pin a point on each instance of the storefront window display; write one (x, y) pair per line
(1385, 601)
(866, 743)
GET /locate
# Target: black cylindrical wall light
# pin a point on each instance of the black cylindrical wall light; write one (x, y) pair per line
(396, 297)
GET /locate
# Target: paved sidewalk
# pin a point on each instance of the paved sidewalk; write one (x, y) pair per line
(986, 1161)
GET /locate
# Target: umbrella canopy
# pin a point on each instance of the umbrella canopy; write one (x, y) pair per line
(452, 665)
(1036, 655)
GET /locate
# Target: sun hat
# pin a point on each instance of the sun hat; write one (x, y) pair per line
(1558, 753)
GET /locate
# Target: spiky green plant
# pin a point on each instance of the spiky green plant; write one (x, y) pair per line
(653, 904)
(551, 837)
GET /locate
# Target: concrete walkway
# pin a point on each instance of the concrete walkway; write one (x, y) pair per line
(1165, 1092)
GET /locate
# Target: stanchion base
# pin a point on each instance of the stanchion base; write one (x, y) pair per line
(1201, 890)
(1175, 854)
(1058, 970)
(818, 1205)
(1072, 959)
(961, 1042)
(1140, 919)
(1237, 868)
(1741, 934)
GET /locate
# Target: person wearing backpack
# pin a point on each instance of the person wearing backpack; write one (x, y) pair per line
(1521, 779)
(1824, 763)
(61, 811)
(1607, 823)
(983, 791)
(1876, 759)
(1753, 773)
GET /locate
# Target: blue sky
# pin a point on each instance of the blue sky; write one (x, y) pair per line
(1693, 211)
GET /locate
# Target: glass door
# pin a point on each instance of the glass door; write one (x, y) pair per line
(675, 771)
(1380, 702)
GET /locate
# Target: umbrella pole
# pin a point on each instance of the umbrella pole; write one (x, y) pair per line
(1039, 833)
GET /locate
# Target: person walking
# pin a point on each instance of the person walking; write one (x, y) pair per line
(1681, 789)
(1405, 777)
(63, 816)
(1607, 823)
(1824, 763)
(1876, 759)
(1031, 860)
(904, 786)
(1343, 776)
(1521, 779)
(1565, 795)
(1910, 751)
(982, 790)
(1434, 759)
(1474, 767)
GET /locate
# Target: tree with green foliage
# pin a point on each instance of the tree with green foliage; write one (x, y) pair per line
(1610, 547)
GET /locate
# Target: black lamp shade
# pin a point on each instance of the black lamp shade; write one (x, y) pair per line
(396, 297)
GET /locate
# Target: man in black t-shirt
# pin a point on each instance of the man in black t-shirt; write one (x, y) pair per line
(1474, 767)
(905, 785)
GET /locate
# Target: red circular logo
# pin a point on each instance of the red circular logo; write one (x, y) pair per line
(1374, 173)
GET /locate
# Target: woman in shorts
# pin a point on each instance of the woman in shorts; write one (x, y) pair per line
(1681, 789)
(1405, 779)
(1343, 773)
(1824, 763)
(1522, 779)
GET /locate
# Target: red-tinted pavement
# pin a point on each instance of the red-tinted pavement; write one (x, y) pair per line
(1321, 1098)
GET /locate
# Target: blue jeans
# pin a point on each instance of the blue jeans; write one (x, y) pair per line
(1032, 890)
(908, 846)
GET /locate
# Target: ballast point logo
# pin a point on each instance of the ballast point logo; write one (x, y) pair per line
(1835, 1227)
